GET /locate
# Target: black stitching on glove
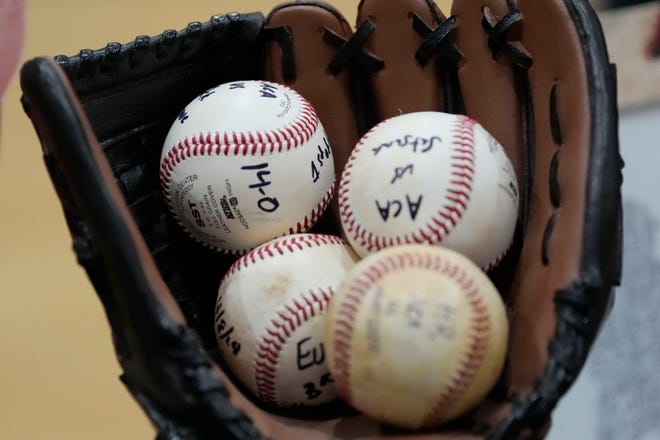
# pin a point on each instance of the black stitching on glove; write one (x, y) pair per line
(282, 36)
(138, 51)
(435, 40)
(164, 46)
(553, 181)
(109, 58)
(218, 23)
(554, 117)
(352, 49)
(192, 32)
(547, 233)
(497, 37)
(87, 60)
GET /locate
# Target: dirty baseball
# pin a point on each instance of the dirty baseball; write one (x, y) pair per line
(268, 317)
(416, 335)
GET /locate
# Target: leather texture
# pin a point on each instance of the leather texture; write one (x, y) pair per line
(535, 73)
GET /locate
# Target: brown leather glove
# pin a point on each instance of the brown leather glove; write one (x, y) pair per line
(535, 73)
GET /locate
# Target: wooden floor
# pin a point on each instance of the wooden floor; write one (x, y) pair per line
(58, 373)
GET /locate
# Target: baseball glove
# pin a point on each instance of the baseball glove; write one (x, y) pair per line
(535, 73)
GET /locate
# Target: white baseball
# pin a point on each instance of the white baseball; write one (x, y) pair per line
(245, 162)
(416, 335)
(430, 177)
(268, 317)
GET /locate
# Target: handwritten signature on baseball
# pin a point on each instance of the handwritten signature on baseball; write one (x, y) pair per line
(418, 144)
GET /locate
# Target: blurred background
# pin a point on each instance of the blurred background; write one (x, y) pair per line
(58, 373)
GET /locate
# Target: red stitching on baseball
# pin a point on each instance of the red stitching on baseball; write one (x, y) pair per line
(287, 244)
(462, 160)
(358, 288)
(287, 320)
(232, 143)
(498, 259)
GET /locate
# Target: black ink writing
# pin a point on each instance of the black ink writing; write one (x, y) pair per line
(322, 155)
(236, 85)
(414, 312)
(311, 389)
(308, 358)
(224, 332)
(268, 204)
(206, 94)
(326, 379)
(183, 116)
(267, 90)
(416, 143)
(444, 322)
(513, 189)
(392, 208)
(399, 172)
(265, 203)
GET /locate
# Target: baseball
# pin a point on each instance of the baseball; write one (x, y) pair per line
(245, 162)
(434, 178)
(268, 317)
(415, 336)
